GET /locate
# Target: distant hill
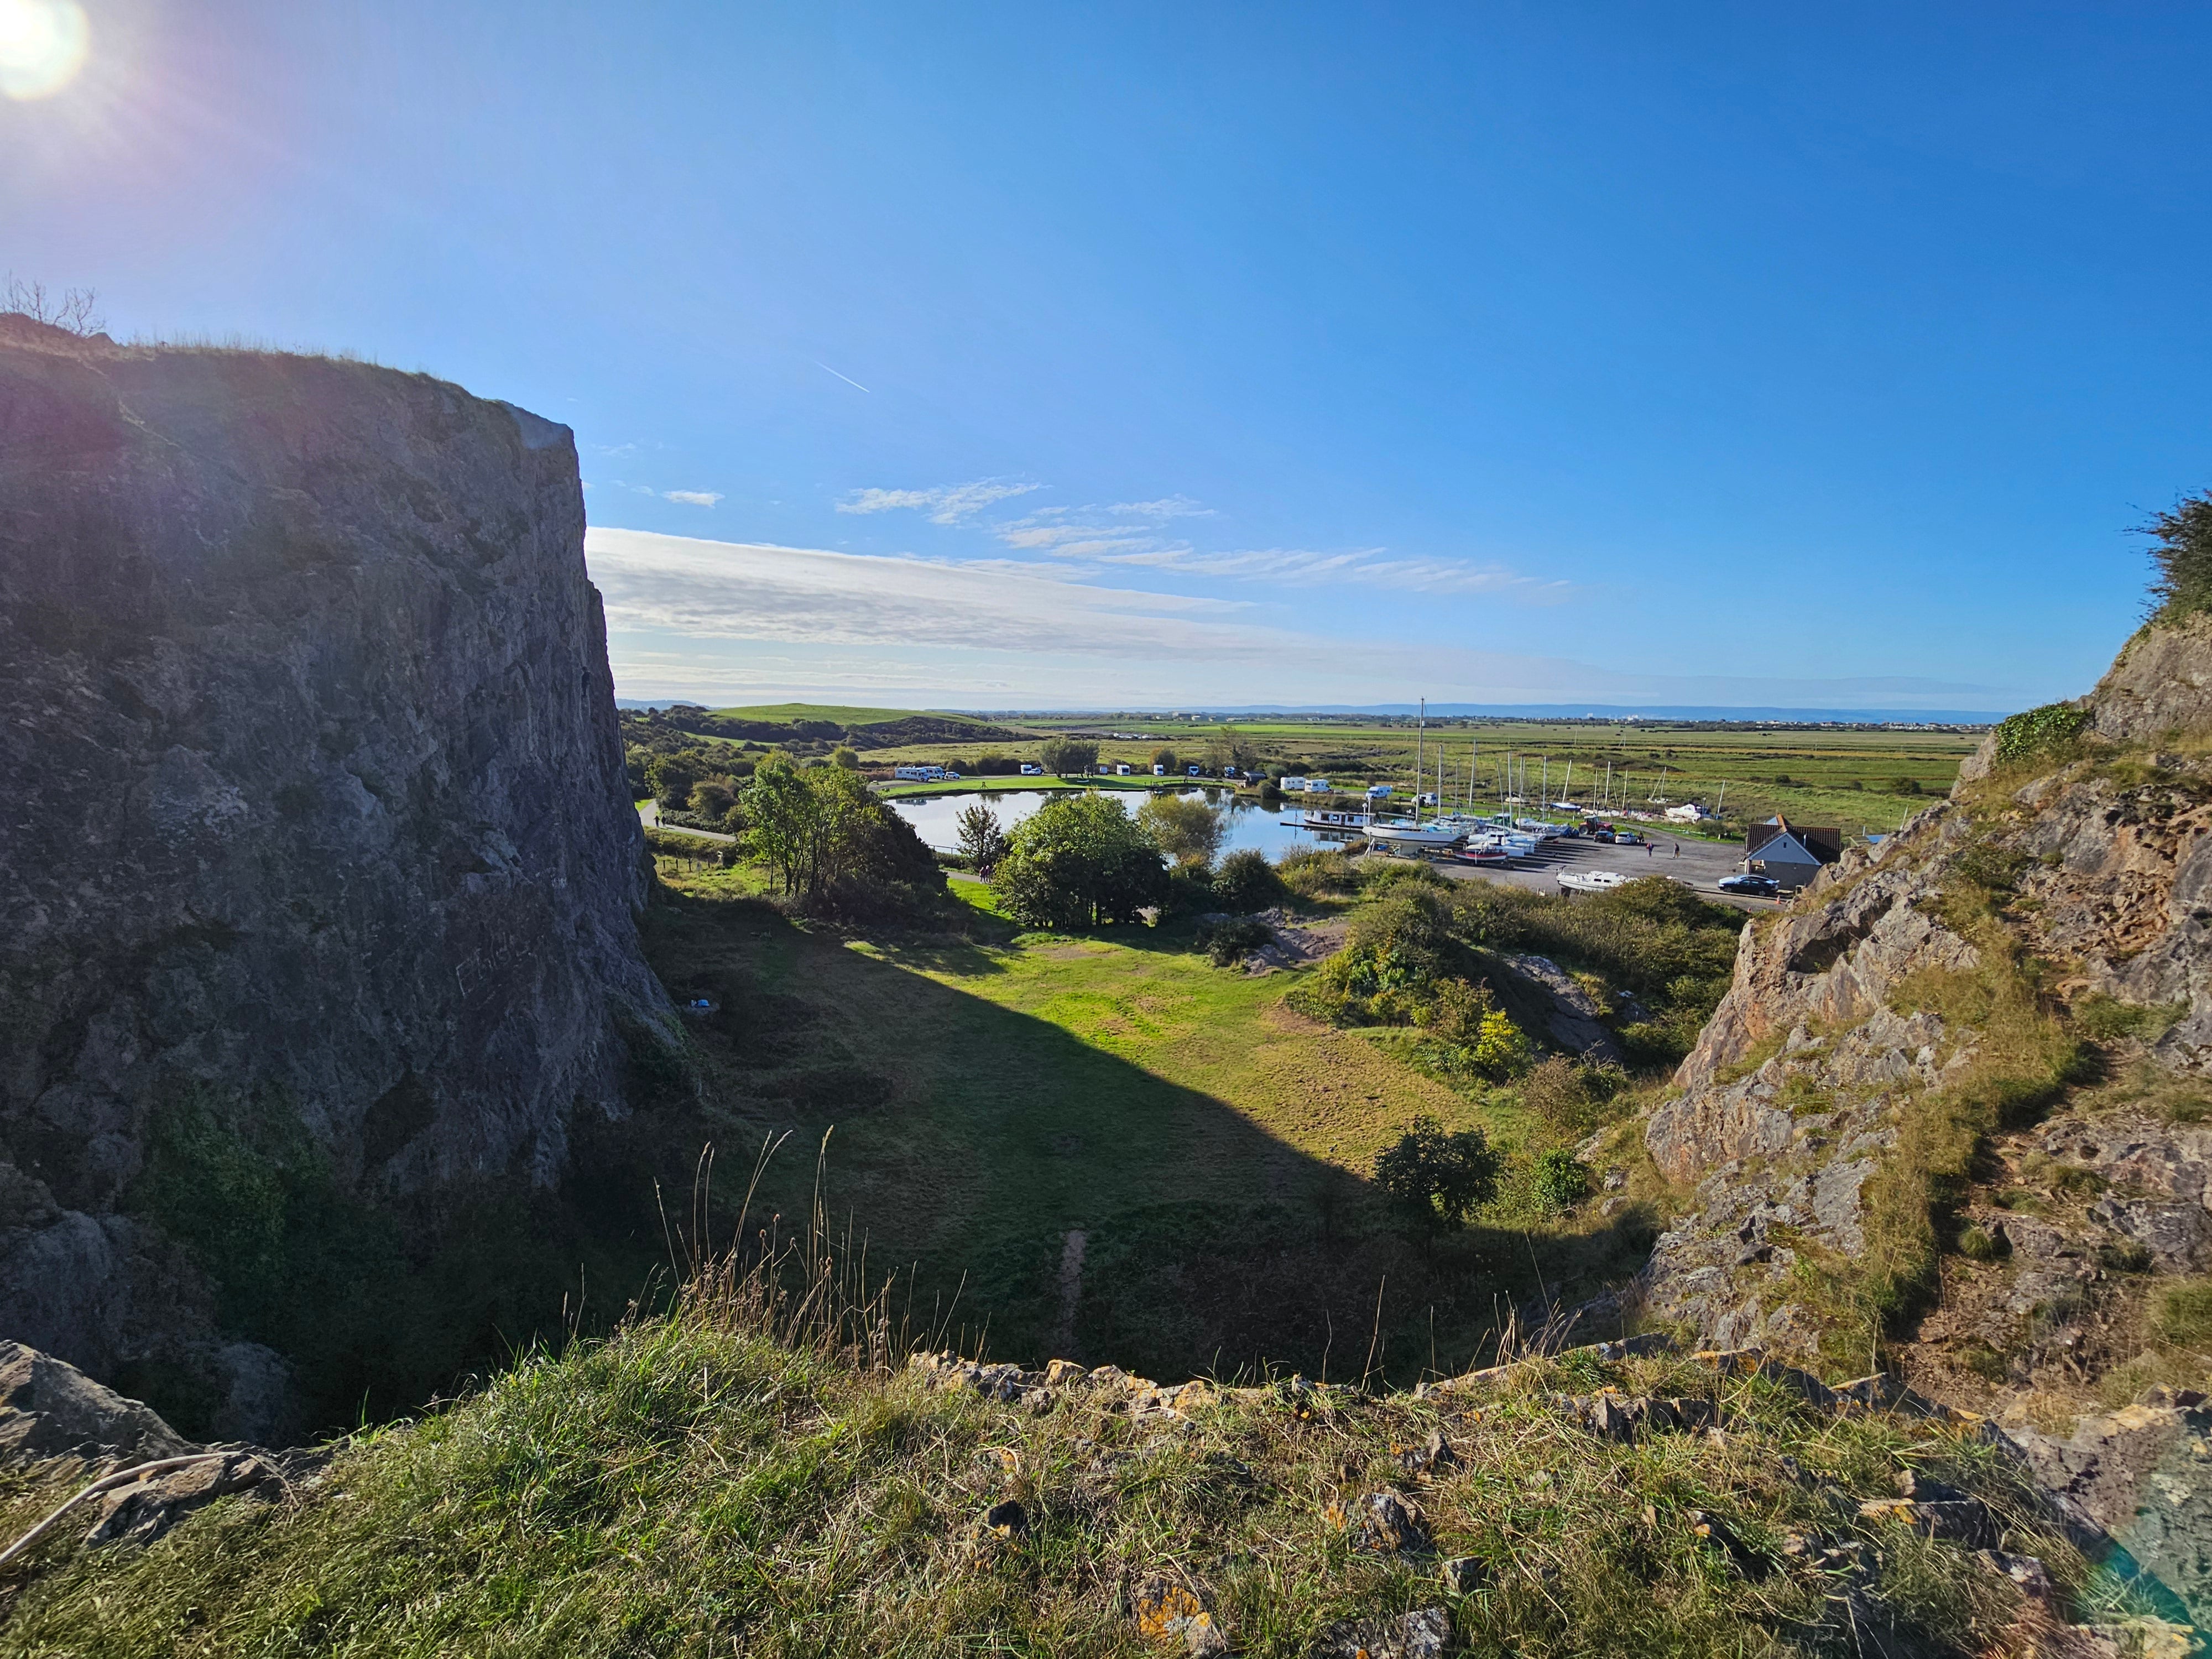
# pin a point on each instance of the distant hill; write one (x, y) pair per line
(789, 713)
(814, 722)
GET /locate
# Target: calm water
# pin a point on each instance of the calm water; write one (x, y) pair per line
(934, 817)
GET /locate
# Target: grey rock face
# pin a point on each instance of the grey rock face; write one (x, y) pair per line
(1790, 1097)
(2143, 1476)
(1573, 1020)
(2162, 682)
(315, 797)
(51, 1409)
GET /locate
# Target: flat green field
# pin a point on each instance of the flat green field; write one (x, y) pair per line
(1860, 779)
(995, 1096)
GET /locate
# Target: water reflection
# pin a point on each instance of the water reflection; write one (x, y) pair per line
(936, 817)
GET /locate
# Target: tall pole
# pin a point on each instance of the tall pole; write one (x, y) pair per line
(1419, 726)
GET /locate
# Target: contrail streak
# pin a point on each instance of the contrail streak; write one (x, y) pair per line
(847, 379)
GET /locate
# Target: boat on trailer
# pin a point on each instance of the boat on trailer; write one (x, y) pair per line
(1482, 852)
(1395, 833)
(1592, 881)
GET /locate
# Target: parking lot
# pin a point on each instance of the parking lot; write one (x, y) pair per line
(1698, 864)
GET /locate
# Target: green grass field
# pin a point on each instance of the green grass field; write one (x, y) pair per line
(994, 1093)
(1850, 777)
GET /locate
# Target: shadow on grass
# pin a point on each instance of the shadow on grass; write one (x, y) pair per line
(972, 1142)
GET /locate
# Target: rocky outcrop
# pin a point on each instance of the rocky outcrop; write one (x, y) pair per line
(2100, 868)
(2159, 685)
(2140, 1476)
(316, 811)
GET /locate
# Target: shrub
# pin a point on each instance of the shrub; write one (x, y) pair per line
(1457, 1010)
(2049, 731)
(1189, 890)
(1434, 1179)
(1227, 943)
(2183, 554)
(1500, 1051)
(1560, 1181)
(1312, 874)
(1978, 1244)
(1246, 881)
(1557, 1091)
(712, 799)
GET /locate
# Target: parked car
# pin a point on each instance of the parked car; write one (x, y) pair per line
(1751, 886)
(1626, 838)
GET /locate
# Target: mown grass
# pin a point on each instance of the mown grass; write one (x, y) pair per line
(993, 1092)
(689, 1487)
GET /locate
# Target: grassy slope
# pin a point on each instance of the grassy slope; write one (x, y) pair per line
(689, 1489)
(990, 1094)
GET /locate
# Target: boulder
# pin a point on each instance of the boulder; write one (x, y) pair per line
(1423, 1635)
(48, 1408)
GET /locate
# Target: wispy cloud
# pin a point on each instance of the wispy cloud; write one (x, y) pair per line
(692, 497)
(758, 591)
(946, 504)
(1171, 506)
(1365, 567)
(685, 612)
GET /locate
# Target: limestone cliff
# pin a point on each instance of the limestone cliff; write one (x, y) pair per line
(315, 808)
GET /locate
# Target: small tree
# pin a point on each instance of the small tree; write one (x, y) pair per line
(671, 779)
(1435, 1180)
(711, 798)
(76, 310)
(1077, 861)
(1188, 831)
(982, 837)
(1067, 756)
(847, 756)
(1165, 759)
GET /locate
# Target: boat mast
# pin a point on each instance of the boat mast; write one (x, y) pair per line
(1419, 727)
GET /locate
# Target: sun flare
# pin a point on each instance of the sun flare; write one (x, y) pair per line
(43, 44)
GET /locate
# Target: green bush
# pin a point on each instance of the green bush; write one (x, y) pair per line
(1312, 874)
(1978, 1244)
(1246, 881)
(2183, 555)
(2039, 733)
(1227, 943)
(1434, 1179)
(1560, 1181)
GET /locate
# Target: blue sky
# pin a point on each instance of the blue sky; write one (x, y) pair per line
(1153, 355)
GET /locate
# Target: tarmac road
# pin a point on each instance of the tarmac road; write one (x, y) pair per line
(1698, 864)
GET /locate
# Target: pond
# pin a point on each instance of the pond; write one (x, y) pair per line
(935, 818)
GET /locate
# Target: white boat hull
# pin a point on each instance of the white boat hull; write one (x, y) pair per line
(1407, 835)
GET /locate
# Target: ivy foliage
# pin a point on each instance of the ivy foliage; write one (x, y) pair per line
(2039, 733)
